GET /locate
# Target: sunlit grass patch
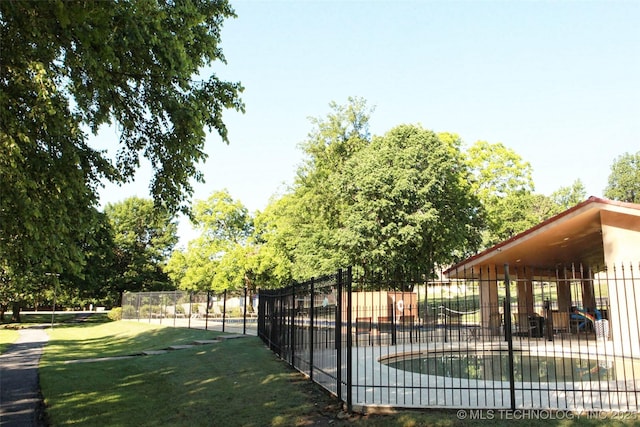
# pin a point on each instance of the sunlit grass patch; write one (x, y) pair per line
(230, 383)
(7, 337)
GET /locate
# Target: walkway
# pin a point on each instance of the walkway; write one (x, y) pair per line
(20, 400)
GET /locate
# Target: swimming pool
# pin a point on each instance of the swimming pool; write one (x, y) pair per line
(494, 366)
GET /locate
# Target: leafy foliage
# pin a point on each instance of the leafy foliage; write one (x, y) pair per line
(567, 197)
(69, 67)
(408, 203)
(143, 237)
(217, 259)
(503, 182)
(298, 231)
(624, 179)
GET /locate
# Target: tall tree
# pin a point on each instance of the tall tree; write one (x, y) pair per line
(503, 182)
(624, 179)
(409, 204)
(68, 67)
(216, 260)
(567, 197)
(93, 284)
(315, 210)
(144, 237)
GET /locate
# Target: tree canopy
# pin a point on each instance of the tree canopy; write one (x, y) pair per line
(503, 182)
(69, 68)
(624, 179)
(217, 258)
(408, 203)
(143, 238)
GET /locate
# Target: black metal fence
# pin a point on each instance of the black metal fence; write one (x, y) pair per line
(518, 338)
(227, 311)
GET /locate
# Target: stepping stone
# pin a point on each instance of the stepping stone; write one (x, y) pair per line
(231, 337)
(153, 352)
(98, 359)
(180, 347)
(203, 342)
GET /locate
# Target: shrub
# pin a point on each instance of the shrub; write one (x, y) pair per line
(129, 312)
(235, 312)
(115, 313)
(147, 310)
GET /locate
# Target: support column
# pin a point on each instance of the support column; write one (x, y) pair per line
(525, 291)
(489, 305)
(588, 294)
(564, 292)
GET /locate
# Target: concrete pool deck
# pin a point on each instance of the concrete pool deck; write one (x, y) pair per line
(376, 384)
(380, 384)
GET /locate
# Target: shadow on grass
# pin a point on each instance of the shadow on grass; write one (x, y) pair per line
(231, 383)
(87, 340)
(234, 382)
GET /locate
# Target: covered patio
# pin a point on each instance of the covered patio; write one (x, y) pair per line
(563, 264)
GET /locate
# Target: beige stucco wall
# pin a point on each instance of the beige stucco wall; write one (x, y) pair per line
(620, 237)
(621, 241)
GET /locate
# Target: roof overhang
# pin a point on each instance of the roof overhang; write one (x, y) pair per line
(573, 236)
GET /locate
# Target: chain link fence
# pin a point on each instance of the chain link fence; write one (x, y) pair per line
(234, 312)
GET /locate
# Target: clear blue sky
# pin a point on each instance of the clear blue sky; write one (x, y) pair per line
(558, 82)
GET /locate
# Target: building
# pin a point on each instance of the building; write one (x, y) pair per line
(595, 243)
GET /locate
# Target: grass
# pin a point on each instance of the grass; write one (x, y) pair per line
(232, 383)
(9, 330)
(7, 337)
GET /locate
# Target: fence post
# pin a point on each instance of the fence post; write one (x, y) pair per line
(350, 372)
(292, 325)
(224, 309)
(190, 308)
(244, 320)
(206, 318)
(338, 334)
(509, 336)
(311, 323)
(261, 314)
(175, 308)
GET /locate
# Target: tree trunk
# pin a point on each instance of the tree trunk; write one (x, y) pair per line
(15, 316)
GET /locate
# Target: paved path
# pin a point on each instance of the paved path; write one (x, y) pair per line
(20, 400)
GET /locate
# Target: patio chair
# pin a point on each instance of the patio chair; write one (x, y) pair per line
(529, 325)
(252, 312)
(406, 323)
(215, 311)
(364, 326)
(560, 321)
(386, 326)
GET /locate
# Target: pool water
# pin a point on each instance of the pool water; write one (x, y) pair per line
(492, 366)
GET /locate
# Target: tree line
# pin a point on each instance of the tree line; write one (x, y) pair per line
(408, 199)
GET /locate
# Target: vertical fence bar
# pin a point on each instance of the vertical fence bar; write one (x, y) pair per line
(224, 309)
(509, 336)
(338, 334)
(244, 315)
(206, 319)
(190, 308)
(311, 327)
(292, 325)
(350, 371)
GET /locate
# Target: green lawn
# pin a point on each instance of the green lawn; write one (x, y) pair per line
(7, 337)
(232, 383)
